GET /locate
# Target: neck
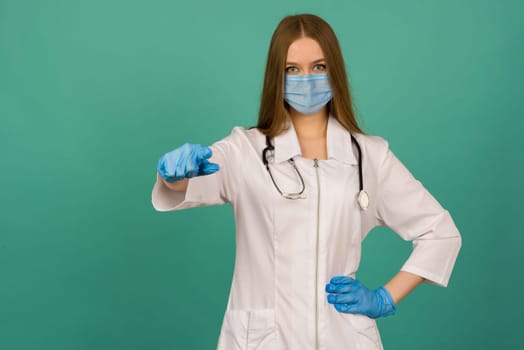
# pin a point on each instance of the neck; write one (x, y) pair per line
(310, 127)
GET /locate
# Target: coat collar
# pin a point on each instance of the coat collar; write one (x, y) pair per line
(339, 144)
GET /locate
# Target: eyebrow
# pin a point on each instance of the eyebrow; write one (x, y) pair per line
(316, 61)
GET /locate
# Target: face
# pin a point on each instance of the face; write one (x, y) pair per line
(305, 56)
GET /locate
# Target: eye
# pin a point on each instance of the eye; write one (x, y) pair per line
(319, 67)
(291, 69)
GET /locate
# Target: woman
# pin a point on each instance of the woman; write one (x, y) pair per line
(302, 208)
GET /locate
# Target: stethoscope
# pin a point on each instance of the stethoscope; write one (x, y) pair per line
(362, 198)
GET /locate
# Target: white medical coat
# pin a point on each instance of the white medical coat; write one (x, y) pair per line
(288, 250)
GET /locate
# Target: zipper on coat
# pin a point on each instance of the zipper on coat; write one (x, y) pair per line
(316, 255)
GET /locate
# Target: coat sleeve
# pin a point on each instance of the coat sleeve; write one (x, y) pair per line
(407, 207)
(214, 189)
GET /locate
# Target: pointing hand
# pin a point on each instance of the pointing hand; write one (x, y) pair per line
(186, 161)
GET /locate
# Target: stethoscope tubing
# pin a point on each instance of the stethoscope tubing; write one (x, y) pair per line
(362, 198)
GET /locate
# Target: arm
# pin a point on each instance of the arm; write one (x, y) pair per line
(408, 208)
(402, 284)
(177, 190)
(405, 206)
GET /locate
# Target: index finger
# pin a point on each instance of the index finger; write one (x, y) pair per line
(341, 280)
(204, 152)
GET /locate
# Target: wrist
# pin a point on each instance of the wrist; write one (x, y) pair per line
(388, 306)
(180, 185)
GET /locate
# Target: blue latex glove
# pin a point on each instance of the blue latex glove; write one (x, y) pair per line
(188, 160)
(350, 295)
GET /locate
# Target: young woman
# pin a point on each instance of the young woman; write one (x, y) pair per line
(306, 186)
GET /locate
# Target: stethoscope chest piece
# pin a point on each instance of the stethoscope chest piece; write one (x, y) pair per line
(363, 199)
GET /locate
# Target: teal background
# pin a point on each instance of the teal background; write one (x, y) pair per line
(93, 92)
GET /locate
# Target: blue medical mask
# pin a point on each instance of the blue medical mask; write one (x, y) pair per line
(307, 93)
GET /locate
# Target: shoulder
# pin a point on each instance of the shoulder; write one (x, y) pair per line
(240, 140)
(242, 133)
(375, 146)
(242, 136)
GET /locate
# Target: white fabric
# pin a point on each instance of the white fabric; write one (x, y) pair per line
(272, 299)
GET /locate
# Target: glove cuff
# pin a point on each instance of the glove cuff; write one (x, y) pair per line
(388, 305)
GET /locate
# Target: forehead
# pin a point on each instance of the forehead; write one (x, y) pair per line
(304, 50)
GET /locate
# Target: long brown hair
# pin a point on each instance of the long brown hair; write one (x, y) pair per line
(273, 113)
